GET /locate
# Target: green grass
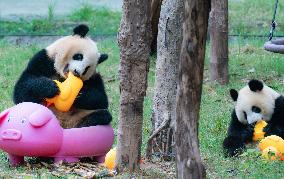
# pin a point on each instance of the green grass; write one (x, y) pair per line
(14, 59)
(215, 109)
(217, 106)
(246, 17)
(247, 60)
(254, 17)
(85, 13)
(101, 22)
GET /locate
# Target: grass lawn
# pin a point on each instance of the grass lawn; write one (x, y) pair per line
(254, 17)
(247, 60)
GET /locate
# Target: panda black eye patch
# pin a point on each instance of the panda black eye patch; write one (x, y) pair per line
(78, 56)
(255, 109)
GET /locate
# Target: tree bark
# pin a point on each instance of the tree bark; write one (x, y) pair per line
(155, 15)
(188, 160)
(219, 41)
(133, 39)
(164, 103)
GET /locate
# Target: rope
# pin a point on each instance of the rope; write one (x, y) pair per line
(273, 23)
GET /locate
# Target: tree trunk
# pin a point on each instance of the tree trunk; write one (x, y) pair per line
(219, 41)
(133, 39)
(155, 15)
(188, 160)
(164, 103)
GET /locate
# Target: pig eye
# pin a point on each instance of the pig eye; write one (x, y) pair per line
(23, 120)
(9, 118)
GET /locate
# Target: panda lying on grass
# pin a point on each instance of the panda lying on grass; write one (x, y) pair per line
(76, 53)
(253, 102)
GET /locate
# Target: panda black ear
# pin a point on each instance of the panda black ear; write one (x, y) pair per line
(234, 94)
(255, 85)
(102, 58)
(81, 30)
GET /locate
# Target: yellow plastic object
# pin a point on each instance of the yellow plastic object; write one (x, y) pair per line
(110, 159)
(69, 90)
(271, 153)
(272, 141)
(258, 130)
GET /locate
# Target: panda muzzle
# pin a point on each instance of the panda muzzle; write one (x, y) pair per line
(254, 117)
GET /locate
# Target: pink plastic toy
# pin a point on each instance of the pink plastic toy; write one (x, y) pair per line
(30, 129)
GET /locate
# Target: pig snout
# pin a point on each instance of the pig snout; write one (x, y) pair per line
(11, 134)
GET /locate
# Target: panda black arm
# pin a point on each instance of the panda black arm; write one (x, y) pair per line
(34, 84)
(35, 89)
(238, 135)
(276, 125)
(92, 95)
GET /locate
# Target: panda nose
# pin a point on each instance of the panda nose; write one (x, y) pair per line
(76, 73)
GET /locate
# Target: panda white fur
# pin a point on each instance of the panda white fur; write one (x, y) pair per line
(76, 53)
(253, 102)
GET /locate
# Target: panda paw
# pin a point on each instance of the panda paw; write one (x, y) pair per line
(247, 134)
(233, 146)
(50, 90)
(273, 130)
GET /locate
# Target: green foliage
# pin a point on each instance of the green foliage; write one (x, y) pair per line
(101, 22)
(50, 15)
(245, 17)
(85, 13)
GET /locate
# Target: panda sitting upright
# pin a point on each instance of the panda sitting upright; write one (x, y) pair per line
(76, 53)
(253, 102)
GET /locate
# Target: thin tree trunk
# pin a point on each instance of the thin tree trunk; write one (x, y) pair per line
(219, 41)
(133, 39)
(155, 15)
(188, 160)
(164, 103)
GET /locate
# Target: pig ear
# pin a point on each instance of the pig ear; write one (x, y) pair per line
(3, 115)
(39, 118)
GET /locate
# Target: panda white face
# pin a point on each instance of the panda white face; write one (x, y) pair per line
(254, 102)
(75, 53)
(81, 65)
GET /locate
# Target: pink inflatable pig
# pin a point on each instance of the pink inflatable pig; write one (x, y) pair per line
(30, 129)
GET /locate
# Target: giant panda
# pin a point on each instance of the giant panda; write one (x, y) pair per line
(253, 102)
(76, 53)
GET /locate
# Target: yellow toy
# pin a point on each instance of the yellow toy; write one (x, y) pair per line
(258, 130)
(110, 159)
(271, 153)
(69, 90)
(272, 147)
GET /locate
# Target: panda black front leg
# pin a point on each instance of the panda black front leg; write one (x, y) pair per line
(273, 130)
(92, 95)
(233, 146)
(99, 117)
(238, 135)
(30, 88)
(35, 84)
(275, 125)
